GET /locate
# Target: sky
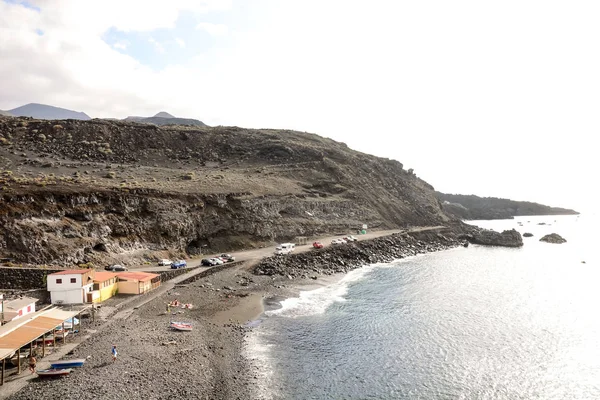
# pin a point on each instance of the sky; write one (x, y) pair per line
(478, 97)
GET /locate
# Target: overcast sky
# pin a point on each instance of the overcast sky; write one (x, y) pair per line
(495, 98)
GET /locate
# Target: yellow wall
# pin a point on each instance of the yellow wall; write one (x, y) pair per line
(128, 287)
(108, 291)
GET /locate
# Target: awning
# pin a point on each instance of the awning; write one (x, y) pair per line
(25, 330)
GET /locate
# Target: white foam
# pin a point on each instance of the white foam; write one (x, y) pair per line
(313, 302)
(258, 354)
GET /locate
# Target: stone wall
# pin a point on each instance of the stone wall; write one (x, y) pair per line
(13, 278)
(168, 275)
(208, 272)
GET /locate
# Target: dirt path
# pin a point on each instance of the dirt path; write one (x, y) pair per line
(255, 255)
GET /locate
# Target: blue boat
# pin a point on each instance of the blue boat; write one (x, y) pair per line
(67, 363)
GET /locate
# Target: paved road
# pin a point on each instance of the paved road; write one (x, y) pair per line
(257, 254)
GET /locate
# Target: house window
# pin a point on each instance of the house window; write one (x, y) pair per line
(59, 281)
(28, 308)
(73, 280)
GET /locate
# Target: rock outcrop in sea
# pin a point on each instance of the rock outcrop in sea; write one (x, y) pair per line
(553, 238)
(508, 238)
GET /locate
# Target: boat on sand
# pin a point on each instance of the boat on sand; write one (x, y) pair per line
(78, 362)
(53, 372)
(181, 326)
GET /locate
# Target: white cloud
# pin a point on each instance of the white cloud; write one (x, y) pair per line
(180, 42)
(213, 29)
(122, 45)
(157, 45)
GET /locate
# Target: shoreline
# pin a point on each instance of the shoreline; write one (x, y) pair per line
(209, 362)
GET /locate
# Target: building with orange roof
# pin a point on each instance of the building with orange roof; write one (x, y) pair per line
(71, 286)
(137, 282)
(105, 286)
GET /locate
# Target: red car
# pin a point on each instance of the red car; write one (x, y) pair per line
(318, 245)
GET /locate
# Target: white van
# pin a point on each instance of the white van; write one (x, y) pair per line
(285, 248)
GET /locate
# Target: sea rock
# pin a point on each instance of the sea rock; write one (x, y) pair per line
(527, 234)
(553, 238)
(509, 238)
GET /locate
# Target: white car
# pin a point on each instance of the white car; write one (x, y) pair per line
(338, 241)
(216, 261)
(165, 262)
(281, 250)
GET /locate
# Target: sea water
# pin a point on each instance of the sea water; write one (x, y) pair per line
(467, 323)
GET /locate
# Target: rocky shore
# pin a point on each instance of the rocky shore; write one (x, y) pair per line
(349, 256)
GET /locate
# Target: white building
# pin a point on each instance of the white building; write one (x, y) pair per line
(16, 308)
(73, 286)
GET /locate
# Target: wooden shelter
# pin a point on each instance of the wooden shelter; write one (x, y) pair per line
(26, 330)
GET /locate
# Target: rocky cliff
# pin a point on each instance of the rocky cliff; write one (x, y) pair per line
(475, 207)
(96, 191)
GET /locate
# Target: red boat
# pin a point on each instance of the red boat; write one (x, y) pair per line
(181, 326)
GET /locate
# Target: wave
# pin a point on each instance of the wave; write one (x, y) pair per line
(313, 302)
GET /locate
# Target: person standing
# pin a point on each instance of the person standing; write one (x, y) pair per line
(114, 353)
(32, 363)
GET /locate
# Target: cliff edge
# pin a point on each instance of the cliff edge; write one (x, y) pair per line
(78, 192)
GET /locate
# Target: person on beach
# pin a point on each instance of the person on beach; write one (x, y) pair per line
(32, 363)
(114, 353)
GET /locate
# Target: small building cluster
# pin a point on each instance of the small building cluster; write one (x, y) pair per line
(81, 286)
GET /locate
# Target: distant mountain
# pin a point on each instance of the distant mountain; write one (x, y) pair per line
(5, 113)
(475, 207)
(164, 118)
(133, 118)
(43, 111)
(164, 114)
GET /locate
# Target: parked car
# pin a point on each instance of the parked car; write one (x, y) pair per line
(115, 268)
(216, 261)
(280, 250)
(179, 264)
(165, 262)
(227, 257)
(338, 241)
(318, 245)
(206, 262)
(350, 238)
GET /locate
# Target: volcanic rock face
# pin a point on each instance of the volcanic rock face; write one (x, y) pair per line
(553, 238)
(510, 238)
(87, 191)
(527, 234)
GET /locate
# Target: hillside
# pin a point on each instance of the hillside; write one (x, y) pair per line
(475, 207)
(93, 191)
(5, 113)
(163, 118)
(43, 111)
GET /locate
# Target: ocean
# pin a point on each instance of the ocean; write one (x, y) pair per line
(467, 323)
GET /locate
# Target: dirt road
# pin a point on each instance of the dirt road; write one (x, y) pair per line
(256, 254)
